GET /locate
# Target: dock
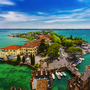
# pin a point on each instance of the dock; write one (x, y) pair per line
(73, 70)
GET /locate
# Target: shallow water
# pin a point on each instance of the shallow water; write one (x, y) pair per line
(61, 84)
(20, 76)
(81, 66)
(12, 75)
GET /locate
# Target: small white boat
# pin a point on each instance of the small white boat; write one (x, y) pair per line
(79, 61)
(63, 73)
(53, 76)
(57, 75)
(60, 74)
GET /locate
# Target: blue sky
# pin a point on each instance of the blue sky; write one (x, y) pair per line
(42, 14)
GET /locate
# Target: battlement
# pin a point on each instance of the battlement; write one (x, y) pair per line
(41, 79)
(79, 82)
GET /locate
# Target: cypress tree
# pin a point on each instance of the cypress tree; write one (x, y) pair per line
(71, 37)
(18, 58)
(23, 59)
(31, 59)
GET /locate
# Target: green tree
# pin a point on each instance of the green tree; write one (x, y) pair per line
(42, 46)
(63, 40)
(71, 37)
(33, 59)
(74, 50)
(23, 59)
(79, 42)
(53, 49)
(68, 43)
(18, 58)
(55, 38)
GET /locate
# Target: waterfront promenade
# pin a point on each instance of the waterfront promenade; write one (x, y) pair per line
(73, 70)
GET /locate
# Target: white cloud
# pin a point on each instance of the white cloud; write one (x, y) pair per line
(6, 2)
(16, 17)
(75, 10)
(40, 13)
(64, 20)
(84, 15)
(85, 1)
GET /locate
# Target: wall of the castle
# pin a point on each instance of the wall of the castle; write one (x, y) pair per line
(86, 73)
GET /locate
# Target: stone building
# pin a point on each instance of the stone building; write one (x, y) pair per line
(41, 80)
(80, 82)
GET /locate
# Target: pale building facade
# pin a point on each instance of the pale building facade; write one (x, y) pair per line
(26, 49)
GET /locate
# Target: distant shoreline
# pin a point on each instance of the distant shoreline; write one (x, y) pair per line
(44, 29)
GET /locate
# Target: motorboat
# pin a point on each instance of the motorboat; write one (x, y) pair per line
(60, 74)
(53, 76)
(63, 73)
(57, 75)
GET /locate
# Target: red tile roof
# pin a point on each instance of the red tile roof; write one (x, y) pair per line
(36, 42)
(28, 45)
(14, 47)
(45, 36)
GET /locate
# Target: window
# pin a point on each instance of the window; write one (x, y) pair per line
(13, 50)
(22, 49)
(28, 49)
(6, 50)
(3, 50)
(10, 50)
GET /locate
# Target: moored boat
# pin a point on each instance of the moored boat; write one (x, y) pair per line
(60, 74)
(53, 76)
(63, 73)
(57, 75)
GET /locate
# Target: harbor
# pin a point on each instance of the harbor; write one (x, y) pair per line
(60, 84)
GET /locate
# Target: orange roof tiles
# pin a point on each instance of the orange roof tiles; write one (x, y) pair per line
(28, 45)
(36, 42)
(45, 36)
(14, 47)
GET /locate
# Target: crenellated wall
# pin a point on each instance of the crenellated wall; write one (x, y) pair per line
(41, 73)
(77, 83)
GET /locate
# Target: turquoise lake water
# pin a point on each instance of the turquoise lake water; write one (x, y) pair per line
(62, 84)
(20, 76)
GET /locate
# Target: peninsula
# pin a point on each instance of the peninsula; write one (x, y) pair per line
(47, 50)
